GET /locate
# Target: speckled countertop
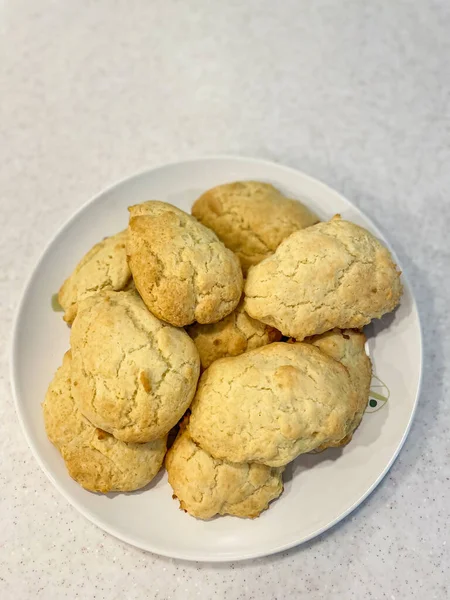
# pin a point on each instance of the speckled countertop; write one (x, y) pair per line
(356, 94)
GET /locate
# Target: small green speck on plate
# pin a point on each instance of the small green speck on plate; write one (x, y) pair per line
(372, 403)
(56, 306)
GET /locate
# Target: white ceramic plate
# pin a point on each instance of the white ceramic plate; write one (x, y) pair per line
(320, 489)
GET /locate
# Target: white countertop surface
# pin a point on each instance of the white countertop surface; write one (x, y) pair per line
(354, 93)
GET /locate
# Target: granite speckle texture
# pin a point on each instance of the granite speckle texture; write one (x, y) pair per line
(356, 94)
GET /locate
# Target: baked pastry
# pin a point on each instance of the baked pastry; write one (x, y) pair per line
(333, 274)
(180, 268)
(94, 458)
(206, 487)
(235, 334)
(132, 375)
(348, 347)
(251, 218)
(104, 267)
(271, 404)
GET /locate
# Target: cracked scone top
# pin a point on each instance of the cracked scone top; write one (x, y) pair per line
(235, 334)
(181, 269)
(333, 274)
(94, 458)
(272, 404)
(132, 375)
(206, 487)
(348, 347)
(104, 267)
(251, 218)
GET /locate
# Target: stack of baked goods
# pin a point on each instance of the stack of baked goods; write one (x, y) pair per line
(168, 338)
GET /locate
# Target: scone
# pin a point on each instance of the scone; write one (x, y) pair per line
(94, 458)
(348, 347)
(132, 375)
(251, 218)
(272, 404)
(333, 274)
(180, 268)
(235, 334)
(104, 267)
(206, 487)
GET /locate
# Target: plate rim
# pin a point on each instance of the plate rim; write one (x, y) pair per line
(13, 350)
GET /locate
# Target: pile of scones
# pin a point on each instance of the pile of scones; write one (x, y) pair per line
(236, 330)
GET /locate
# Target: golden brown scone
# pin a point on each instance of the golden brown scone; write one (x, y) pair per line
(104, 267)
(348, 347)
(235, 334)
(63, 422)
(272, 404)
(251, 218)
(94, 458)
(132, 375)
(333, 274)
(180, 268)
(207, 487)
